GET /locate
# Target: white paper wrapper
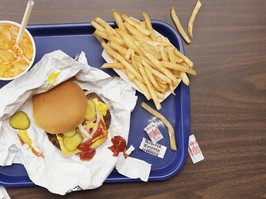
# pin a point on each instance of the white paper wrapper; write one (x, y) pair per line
(57, 173)
(133, 168)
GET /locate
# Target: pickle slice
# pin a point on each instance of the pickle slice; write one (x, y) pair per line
(91, 110)
(71, 143)
(19, 120)
(70, 133)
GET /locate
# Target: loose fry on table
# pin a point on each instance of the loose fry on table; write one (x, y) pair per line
(149, 60)
(179, 26)
(171, 131)
(192, 18)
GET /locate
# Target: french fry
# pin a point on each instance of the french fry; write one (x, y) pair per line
(129, 53)
(135, 62)
(100, 39)
(129, 74)
(164, 70)
(130, 43)
(179, 26)
(157, 73)
(135, 24)
(117, 56)
(104, 24)
(159, 95)
(184, 78)
(152, 80)
(172, 89)
(163, 53)
(149, 26)
(113, 65)
(143, 88)
(171, 54)
(101, 34)
(118, 20)
(149, 48)
(134, 31)
(192, 18)
(186, 59)
(150, 88)
(121, 49)
(171, 131)
(179, 67)
(97, 26)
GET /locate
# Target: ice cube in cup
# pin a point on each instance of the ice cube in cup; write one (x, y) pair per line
(15, 59)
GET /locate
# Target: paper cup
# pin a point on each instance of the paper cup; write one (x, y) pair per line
(33, 47)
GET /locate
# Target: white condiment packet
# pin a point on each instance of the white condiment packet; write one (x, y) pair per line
(57, 173)
(130, 150)
(152, 148)
(3, 193)
(133, 168)
(153, 132)
(194, 150)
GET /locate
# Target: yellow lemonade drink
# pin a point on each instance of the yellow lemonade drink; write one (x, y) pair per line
(14, 58)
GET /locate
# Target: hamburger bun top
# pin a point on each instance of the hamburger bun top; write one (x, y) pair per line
(60, 109)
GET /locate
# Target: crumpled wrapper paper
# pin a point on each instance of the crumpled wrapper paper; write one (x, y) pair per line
(55, 172)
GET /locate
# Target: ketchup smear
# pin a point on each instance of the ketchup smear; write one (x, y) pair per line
(38, 154)
(87, 153)
(119, 145)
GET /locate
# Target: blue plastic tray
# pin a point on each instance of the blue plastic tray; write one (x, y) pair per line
(74, 38)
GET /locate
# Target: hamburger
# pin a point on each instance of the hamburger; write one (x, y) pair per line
(75, 121)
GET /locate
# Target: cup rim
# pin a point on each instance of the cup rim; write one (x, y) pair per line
(34, 51)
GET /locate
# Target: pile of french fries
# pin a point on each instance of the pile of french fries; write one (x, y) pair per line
(148, 59)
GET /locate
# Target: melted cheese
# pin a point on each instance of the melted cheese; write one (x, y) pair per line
(101, 107)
